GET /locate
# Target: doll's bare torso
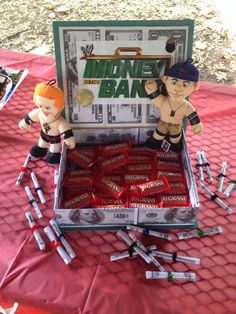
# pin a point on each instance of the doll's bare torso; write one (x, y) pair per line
(50, 125)
(170, 112)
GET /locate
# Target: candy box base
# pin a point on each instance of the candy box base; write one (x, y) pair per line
(110, 218)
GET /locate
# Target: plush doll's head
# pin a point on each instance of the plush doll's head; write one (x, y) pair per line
(49, 98)
(181, 79)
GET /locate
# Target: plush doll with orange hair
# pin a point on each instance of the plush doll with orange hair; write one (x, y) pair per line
(50, 102)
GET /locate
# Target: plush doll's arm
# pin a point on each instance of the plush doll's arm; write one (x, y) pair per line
(67, 133)
(192, 116)
(153, 92)
(29, 119)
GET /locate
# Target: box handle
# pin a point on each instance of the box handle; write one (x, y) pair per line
(128, 49)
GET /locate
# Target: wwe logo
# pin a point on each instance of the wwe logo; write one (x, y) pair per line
(87, 50)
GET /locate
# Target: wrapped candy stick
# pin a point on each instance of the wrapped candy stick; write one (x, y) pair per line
(170, 276)
(38, 188)
(33, 202)
(122, 235)
(57, 245)
(139, 243)
(63, 240)
(199, 233)
(199, 165)
(207, 165)
(146, 231)
(23, 170)
(222, 176)
(35, 231)
(126, 254)
(230, 188)
(216, 199)
(174, 257)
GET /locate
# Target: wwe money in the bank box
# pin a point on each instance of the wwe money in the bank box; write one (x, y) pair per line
(125, 86)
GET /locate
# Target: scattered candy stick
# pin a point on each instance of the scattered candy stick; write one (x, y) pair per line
(126, 254)
(230, 188)
(216, 199)
(199, 165)
(34, 229)
(23, 170)
(222, 176)
(207, 165)
(57, 245)
(33, 202)
(146, 231)
(63, 240)
(199, 233)
(122, 235)
(170, 275)
(38, 188)
(139, 243)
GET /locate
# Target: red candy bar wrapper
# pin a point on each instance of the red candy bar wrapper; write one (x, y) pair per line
(133, 190)
(153, 187)
(80, 201)
(167, 156)
(101, 193)
(116, 171)
(143, 205)
(140, 168)
(99, 200)
(146, 200)
(115, 149)
(113, 162)
(140, 159)
(132, 179)
(79, 173)
(118, 179)
(74, 182)
(84, 161)
(171, 176)
(141, 150)
(109, 206)
(69, 194)
(168, 165)
(110, 187)
(175, 200)
(177, 188)
(89, 151)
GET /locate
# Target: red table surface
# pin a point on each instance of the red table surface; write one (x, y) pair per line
(93, 284)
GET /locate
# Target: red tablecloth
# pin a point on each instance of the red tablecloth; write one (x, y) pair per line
(93, 284)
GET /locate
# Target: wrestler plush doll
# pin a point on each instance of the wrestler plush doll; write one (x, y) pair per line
(50, 102)
(179, 81)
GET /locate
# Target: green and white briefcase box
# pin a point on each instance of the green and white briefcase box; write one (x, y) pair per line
(102, 68)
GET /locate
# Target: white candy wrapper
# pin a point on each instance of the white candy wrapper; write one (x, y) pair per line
(66, 258)
(216, 199)
(170, 276)
(22, 173)
(122, 235)
(149, 232)
(33, 202)
(200, 233)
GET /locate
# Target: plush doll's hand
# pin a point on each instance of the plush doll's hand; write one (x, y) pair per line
(70, 142)
(150, 86)
(23, 125)
(197, 128)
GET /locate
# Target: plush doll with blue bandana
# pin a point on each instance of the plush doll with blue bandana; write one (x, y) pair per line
(179, 82)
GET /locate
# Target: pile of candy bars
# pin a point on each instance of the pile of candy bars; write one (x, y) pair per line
(122, 175)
